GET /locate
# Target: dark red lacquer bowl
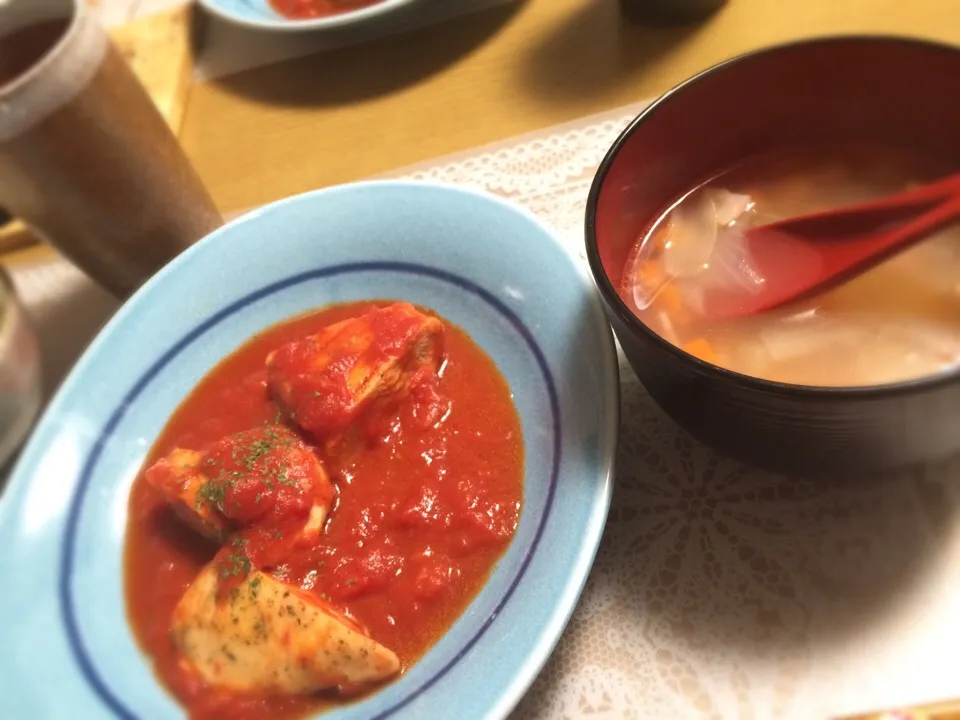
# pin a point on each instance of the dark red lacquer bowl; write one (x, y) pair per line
(885, 89)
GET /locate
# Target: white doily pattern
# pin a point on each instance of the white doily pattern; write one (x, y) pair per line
(550, 173)
(720, 591)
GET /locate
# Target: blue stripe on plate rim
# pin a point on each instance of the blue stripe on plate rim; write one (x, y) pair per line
(66, 600)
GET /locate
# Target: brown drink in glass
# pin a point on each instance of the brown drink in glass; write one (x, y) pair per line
(85, 157)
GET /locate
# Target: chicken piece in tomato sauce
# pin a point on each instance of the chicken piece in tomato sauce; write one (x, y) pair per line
(179, 477)
(264, 484)
(265, 636)
(328, 382)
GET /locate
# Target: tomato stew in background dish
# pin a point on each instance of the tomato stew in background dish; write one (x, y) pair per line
(308, 9)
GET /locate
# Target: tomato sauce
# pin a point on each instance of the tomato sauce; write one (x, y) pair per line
(305, 9)
(418, 522)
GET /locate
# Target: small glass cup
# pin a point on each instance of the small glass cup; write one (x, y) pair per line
(20, 387)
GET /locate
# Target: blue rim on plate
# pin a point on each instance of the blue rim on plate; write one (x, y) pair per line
(259, 14)
(63, 514)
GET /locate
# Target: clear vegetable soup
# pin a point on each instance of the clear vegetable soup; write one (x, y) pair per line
(896, 322)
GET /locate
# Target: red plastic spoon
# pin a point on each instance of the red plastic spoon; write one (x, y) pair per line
(805, 255)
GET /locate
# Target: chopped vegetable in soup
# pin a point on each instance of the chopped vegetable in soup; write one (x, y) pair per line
(305, 9)
(898, 321)
(320, 510)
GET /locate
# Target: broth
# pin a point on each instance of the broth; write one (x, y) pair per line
(896, 322)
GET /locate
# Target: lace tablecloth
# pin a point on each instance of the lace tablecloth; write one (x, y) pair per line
(718, 591)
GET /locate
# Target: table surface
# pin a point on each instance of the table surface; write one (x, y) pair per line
(346, 114)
